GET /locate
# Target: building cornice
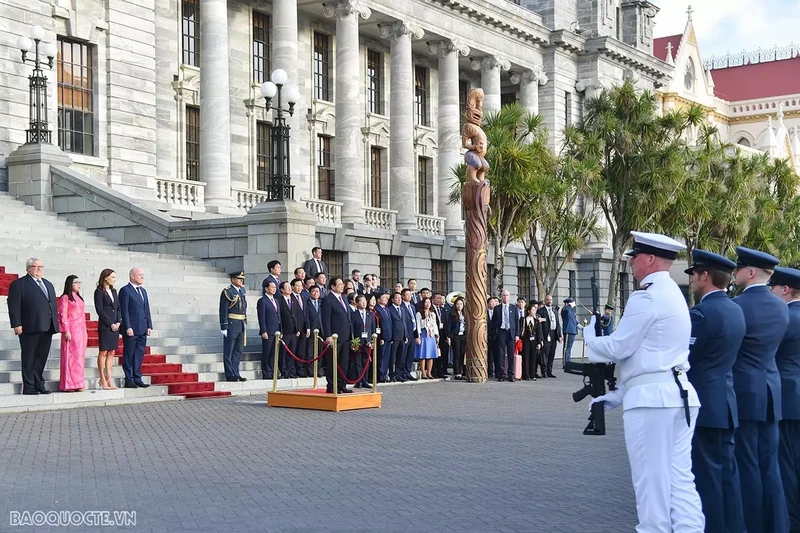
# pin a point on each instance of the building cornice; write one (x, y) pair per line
(630, 56)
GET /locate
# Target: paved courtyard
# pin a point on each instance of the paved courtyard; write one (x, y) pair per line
(438, 457)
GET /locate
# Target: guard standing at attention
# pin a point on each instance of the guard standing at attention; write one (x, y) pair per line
(717, 331)
(607, 320)
(758, 394)
(233, 324)
(785, 283)
(651, 347)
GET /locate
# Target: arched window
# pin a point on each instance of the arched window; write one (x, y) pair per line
(743, 142)
(688, 77)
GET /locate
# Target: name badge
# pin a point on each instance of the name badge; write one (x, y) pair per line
(363, 334)
(378, 331)
(532, 339)
(548, 338)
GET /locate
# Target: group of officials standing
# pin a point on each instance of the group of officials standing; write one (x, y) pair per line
(711, 395)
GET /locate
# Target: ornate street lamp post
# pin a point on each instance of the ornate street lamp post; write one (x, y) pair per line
(280, 180)
(38, 131)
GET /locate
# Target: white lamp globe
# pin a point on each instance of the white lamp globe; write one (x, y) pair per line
(49, 50)
(279, 76)
(292, 94)
(36, 33)
(25, 44)
(268, 90)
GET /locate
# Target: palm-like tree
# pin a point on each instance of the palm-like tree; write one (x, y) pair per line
(519, 159)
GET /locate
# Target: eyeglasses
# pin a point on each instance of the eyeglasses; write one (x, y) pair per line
(37, 266)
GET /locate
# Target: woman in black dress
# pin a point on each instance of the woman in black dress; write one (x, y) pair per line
(106, 303)
(531, 335)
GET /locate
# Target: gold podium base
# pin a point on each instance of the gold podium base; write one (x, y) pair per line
(319, 400)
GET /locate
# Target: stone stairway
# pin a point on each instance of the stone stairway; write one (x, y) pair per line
(184, 356)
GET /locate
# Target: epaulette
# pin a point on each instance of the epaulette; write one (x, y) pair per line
(695, 311)
(644, 287)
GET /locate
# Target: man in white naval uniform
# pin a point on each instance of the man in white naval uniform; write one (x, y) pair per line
(651, 347)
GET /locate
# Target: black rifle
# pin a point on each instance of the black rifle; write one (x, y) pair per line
(595, 376)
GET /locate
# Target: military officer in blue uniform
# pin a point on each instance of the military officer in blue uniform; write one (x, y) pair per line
(785, 283)
(758, 393)
(718, 328)
(233, 324)
(607, 320)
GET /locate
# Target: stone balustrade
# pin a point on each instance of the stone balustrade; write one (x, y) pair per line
(430, 225)
(328, 213)
(381, 219)
(181, 193)
(247, 198)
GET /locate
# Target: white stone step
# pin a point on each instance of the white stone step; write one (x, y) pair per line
(15, 387)
(18, 403)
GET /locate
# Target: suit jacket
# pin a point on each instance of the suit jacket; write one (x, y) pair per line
(443, 319)
(513, 322)
(335, 317)
(454, 325)
(28, 307)
(313, 317)
(546, 324)
(108, 310)
(398, 323)
(788, 361)
(310, 266)
(135, 310)
(288, 316)
(386, 325)
(755, 373)
(717, 331)
(299, 313)
(277, 281)
(358, 327)
(569, 320)
(409, 321)
(269, 318)
(358, 286)
(491, 326)
(526, 331)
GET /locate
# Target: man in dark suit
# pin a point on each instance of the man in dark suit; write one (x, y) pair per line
(137, 324)
(336, 319)
(363, 324)
(290, 330)
(442, 317)
(551, 332)
(355, 277)
(785, 283)
(717, 331)
(313, 322)
(385, 329)
(506, 325)
(758, 393)
(274, 275)
(321, 280)
(491, 337)
(269, 322)
(315, 265)
(298, 311)
(410, 322)
(34, 319)
(412, 286)
(400, 337)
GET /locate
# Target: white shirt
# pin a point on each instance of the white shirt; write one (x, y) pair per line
(754, 285)
(711, 292)
(110, 295)
(651, 337)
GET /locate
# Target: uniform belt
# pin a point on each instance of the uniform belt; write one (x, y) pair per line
(233, 316)
(669, 376)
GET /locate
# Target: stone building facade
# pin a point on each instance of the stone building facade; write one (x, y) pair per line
(158, 103)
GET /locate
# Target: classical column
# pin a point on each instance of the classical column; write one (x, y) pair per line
(490, 67)
(215, 114)
(449, 129)
(401, 121)
(529, 81)
(284, 56)
(348, 145)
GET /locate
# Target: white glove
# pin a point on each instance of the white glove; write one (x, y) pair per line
(224, 332)
(612, 399)
(589, 331)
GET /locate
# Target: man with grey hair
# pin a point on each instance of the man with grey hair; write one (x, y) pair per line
(137, 324)
(34, 319)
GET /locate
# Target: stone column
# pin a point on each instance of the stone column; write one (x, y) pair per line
(401, 121)
(349, 163)
(215, 114)
(284, 56)
(449, 129)
(490, 67)
(529, 81)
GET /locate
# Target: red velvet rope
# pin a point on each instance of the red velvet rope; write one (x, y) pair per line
(304, 361)
(363, 372)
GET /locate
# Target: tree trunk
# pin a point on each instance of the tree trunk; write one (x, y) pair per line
(499, 265)
(613, 283)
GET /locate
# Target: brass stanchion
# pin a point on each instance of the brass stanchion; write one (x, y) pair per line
(275, 365)
(316, 354)
(374, 362)
(335, 355)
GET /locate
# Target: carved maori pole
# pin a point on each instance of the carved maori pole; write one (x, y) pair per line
(476, 203)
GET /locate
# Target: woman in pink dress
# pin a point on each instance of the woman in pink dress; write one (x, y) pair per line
(72, 323)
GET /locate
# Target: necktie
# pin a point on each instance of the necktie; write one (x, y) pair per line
(319, 267)
(44, 289)
(344, 305)
(316, 306)
(274, 304)
(300, 301)
(139, 290)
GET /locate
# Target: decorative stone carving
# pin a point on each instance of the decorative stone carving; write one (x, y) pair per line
(398, 28)
(476, 202)
(344, 8)
(530, 76)
(442, 48)
(490, 62)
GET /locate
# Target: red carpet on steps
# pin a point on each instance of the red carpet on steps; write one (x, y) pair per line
(5, 280)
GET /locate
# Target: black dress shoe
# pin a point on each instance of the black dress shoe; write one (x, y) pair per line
(240, 378)
(131, 385)
(551, 375)
(411, 378)
(357, 386)
(30, 392)
(511, 380)
(232, 379)
(345, 391)
(141, 384)
(501, 379)
(366, 385)
(44, 391)
(329, 390)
